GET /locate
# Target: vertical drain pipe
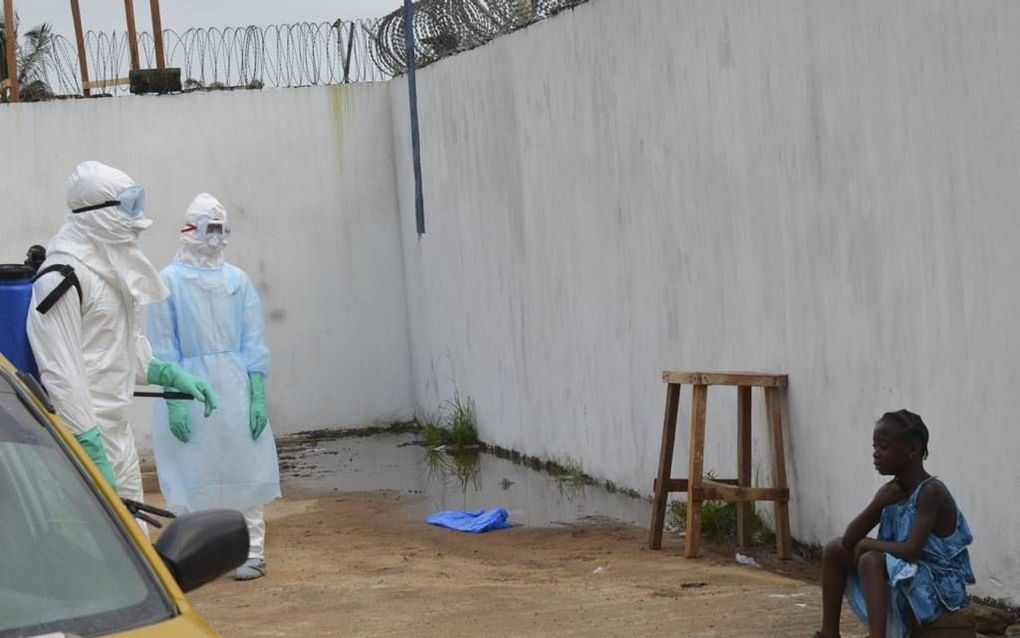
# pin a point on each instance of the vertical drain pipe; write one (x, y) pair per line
(412, 95)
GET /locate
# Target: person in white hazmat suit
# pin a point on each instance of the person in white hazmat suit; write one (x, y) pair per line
(213, 325)
(87, 343)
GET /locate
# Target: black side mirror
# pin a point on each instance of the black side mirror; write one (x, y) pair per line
(202, 546)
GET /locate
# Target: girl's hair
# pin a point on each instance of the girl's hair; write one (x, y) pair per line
(911, 426)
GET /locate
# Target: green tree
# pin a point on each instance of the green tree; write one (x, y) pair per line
(34, 51)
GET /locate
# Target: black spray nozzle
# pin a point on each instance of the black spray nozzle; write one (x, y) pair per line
(141, 511)
(35, 257)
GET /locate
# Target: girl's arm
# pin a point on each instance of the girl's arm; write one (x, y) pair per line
(860, 526)
(866, 521)
(929, 502)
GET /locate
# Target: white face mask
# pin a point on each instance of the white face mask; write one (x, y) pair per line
(106, 241)
(140, 226)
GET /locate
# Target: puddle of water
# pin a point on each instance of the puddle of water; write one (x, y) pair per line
(465, 481)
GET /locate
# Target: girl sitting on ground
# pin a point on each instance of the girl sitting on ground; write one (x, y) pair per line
(918, 567)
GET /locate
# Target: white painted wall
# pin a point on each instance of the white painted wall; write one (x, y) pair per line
(810, 186)
(827, 189)
(306, 176)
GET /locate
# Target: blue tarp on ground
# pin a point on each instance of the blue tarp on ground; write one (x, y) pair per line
(476, 521)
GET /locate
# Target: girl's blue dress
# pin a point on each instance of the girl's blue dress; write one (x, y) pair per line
(926, 589)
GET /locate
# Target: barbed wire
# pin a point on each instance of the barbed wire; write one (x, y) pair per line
(275, 56)
(447, 27)
(302, 54)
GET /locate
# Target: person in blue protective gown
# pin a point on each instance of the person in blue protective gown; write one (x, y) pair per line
(213, 326)
(918, 567)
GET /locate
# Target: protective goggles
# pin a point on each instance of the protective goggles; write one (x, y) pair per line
(207, 228)
(131, 202)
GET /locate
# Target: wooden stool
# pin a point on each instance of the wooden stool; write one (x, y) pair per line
(952, 625)
(698, 487)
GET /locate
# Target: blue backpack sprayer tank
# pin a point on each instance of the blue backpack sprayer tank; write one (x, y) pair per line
(15, 303)
(15, 297)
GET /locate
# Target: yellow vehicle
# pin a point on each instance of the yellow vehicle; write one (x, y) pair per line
(73, 562)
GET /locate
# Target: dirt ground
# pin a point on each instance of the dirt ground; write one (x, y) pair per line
(356, 564)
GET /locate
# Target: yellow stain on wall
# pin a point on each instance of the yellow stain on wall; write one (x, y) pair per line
(339, 106)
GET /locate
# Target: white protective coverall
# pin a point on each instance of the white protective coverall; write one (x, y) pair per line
(91, 351)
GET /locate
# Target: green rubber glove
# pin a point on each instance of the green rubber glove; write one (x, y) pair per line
(173, 376)
(257, 414)
(180, 423)
(92, 442)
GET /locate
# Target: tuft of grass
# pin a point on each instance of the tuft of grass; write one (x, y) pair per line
(432, 432)
(569, 471)
(454, 424)
(461, 421)
(434, 436)
(719, 520)
(569, 476)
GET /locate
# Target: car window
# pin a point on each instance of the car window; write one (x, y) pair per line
(66, 564)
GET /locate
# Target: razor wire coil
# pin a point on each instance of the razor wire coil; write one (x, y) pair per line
(301, 54)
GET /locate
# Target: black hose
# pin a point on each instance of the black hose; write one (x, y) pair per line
(166, 395)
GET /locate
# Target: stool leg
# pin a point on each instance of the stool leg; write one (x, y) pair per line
(775, 418)
(744, 509)
(696, 471)
(665, 466)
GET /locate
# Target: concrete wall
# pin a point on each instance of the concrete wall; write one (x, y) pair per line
(816, 187)
(306, 176)
(827, 189)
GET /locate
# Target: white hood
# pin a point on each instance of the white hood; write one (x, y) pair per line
(106, 239)
(194, 251)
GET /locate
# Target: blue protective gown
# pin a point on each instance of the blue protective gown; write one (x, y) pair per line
(213, 326)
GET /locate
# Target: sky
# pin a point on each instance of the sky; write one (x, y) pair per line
(106, 15)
